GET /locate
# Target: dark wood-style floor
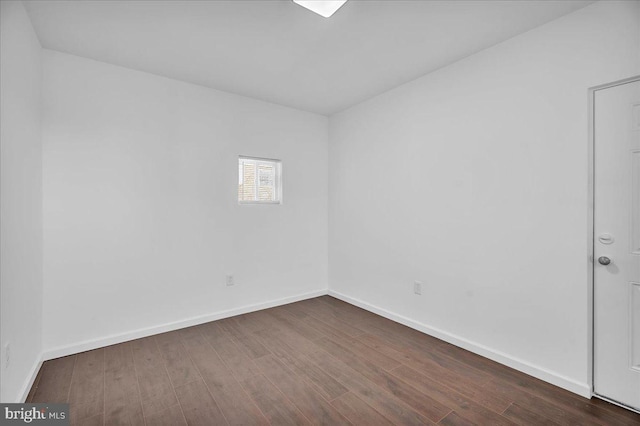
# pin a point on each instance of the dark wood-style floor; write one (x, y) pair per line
(320, 361)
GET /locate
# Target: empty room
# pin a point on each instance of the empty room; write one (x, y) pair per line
(253, 212)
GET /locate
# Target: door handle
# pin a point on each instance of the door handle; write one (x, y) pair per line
(604, 260)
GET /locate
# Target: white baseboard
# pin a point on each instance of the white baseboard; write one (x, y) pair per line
(144, 332)
(582, 389)
(32, 378)
(571, 385)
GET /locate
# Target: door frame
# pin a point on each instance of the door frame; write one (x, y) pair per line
(591, 236)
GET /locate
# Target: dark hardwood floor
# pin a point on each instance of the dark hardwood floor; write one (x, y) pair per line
(319, 361)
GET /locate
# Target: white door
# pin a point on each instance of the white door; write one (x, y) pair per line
(617, 243)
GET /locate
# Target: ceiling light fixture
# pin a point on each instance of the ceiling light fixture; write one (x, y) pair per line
(324, 8)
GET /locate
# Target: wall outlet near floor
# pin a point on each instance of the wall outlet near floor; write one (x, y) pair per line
(7, 355)
(417, 287)
(230, 281)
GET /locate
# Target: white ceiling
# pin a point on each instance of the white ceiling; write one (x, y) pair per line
(279, 52)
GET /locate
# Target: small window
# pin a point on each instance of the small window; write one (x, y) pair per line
(259, 181)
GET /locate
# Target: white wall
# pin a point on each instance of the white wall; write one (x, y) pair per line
(20, 201)
(473, 180)
(141, 220)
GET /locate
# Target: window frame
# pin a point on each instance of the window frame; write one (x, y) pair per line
(277, 185)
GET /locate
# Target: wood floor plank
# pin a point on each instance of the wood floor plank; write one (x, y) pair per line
(252, 322)
(156, 389)
(97, 420)
(234, 402)
(359, 317)
(385, 403)
(145, 353)
(231, 398)
(453, 419)
(256, 321)
(194, 332)
(296, 310)
(477, 362)
(236, 360)
(194, 339)
(460, 377)
(169, 416)
(358, 412)
(353, 315)
(55, 382)
(563, 398)
(318, 361)
(349, 308)
(303, 396)
(618, 411)
(275, 406)
(534, 386)
(327, 315)
(330, 300)
(570, 403)
(292, 324)
(179, 366)
(84, 410)
(540, 406)
(425, 405)
(490, 367)
(86, 394)
(430, 357)
(473, 368)
(326, 385)
(251, 347)
(387, 347)
(120, 380)
(524, 417)
(363, 351)
(294, 340)
(463, 406)
(387, 328)
(206, 359)
(244, 338)
(322, 327)
(123, 412)
(198, 405)
(213, 332)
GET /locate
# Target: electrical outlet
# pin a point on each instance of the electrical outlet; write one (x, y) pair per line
(7, 355)
(230, 281)
(417, 287)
